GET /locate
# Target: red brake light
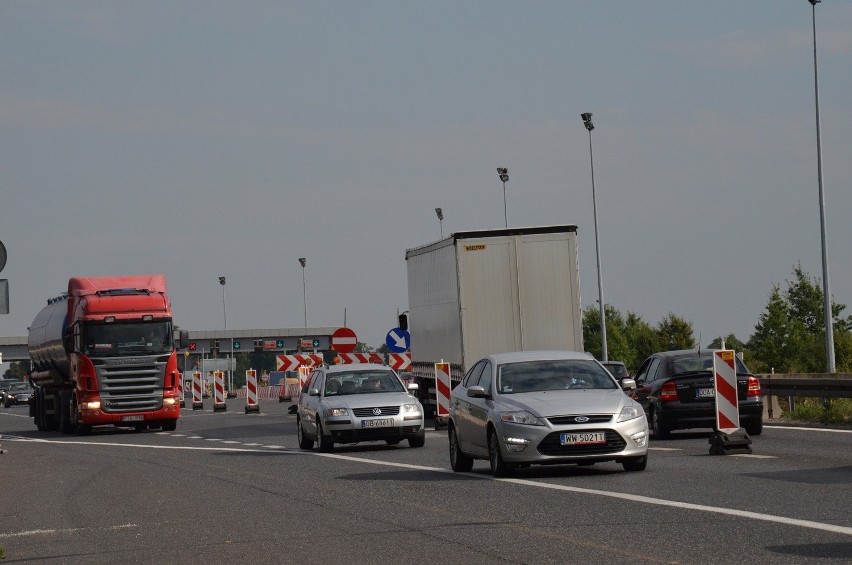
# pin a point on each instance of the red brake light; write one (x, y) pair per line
(668, 392)
(753, 387)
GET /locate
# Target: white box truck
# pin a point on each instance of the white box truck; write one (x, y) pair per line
(490, 291)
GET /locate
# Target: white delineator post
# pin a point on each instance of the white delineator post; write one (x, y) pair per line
(197, 397)
(725, 371)
(219, 392)
(251, 392)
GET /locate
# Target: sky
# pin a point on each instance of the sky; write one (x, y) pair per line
(207, 138)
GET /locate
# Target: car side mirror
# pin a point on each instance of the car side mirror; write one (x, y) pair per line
(313, 392)
(413, 386)
(628, 384)
(476, 392)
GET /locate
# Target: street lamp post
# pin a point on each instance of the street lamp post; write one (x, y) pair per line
(587, 121)
(503, 173)
(225, 314)
(829, 324)
(302, 262)
(440, 214)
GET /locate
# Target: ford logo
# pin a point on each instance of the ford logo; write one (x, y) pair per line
(581, 419)
(377, 411)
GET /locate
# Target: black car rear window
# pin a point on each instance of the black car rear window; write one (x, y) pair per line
(700, 362)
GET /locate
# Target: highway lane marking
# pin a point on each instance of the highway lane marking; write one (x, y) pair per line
(524, 482)
(665, 449)
(63, 531)
(753, 456)
(833, 430)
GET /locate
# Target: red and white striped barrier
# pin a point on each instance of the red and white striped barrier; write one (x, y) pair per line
(251, 392)
(727, 413)
(219, 394)
(399, 361)
(197, 397)
(442, 389)
(347, 358)
(291, 362)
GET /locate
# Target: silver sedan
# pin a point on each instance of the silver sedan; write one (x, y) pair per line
(355, 403)
(540, 407)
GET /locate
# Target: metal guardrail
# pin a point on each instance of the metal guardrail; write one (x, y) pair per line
(818, 385)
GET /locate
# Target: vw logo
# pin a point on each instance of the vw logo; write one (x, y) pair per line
(377, 411)
(581, 419)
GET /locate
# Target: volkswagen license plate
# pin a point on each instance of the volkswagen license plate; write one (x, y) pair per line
(382, 423)
(705, 392)
(139, 418)
(585, 438)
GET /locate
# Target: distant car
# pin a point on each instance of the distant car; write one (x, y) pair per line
(4, 386)
(677, 391)
(541, 407)
(355, 403)
(17, 393)
(617, 369)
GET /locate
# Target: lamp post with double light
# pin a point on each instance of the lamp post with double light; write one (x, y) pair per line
(503, 173)
(302, 262)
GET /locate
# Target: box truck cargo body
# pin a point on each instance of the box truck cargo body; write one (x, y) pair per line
(491, 291)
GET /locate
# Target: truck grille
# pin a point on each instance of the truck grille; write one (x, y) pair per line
(131, 384)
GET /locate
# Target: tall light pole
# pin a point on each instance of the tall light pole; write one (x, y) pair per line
(587, 121)
(503, 172)
(829, 324)
(302, 262)
(225, 313)
(440, 214)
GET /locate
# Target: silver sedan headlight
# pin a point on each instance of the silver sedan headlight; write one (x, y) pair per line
(411, 408)
(521, 417)
(630, 413)
(335, 412)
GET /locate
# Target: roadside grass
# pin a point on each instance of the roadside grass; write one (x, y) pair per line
(824, 411)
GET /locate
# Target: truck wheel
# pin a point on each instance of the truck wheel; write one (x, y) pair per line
(65, 414)
(79, 429)
(169, 425)
(39, 411)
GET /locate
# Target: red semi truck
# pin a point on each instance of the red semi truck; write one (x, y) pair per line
(104, 354)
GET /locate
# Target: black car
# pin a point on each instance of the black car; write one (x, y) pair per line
(617, 369)
(4, 386)
(677, 391)
(17, 393)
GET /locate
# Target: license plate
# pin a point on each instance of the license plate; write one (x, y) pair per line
(383, 423)
(705, 392)
(139, 418)
(585, 438)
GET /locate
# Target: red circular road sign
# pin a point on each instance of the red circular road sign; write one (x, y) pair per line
(344, 340)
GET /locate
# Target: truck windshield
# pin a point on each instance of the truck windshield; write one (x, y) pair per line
(127, 338)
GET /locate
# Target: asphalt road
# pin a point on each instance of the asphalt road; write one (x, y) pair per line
(231, 486)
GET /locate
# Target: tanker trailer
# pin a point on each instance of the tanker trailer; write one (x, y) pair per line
(104, 354)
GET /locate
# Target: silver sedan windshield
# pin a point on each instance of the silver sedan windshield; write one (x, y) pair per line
(361, 382)
(556, 374)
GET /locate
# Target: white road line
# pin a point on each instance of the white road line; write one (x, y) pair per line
(523, 482)
(62, 531)
(832, 430)
(753, 456)
(664, 449)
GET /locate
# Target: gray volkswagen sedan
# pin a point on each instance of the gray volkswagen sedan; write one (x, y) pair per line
(544, 407)
(355, 403)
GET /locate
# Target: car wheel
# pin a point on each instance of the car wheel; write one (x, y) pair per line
(633, 464)
(660, 430)
(169, 425)
(304, 442)
(499, 468)
(324, 442)
(459, 462)
(419, 440)
(754, 428)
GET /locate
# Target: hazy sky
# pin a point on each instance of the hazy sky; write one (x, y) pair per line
(205, 138)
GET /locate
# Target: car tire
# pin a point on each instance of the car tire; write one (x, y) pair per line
(419, 440)
(459, 462)
(324, 442)
(660, 430)
(304, 441)
(754, 428)
(634, 464)
(499, 468)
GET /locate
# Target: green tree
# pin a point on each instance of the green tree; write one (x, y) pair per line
(643, 340)
(731, 342)
(17, 370)
(675, 332)
(616, 343)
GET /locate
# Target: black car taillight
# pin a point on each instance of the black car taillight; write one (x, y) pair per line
(753, 387)
(668, 392)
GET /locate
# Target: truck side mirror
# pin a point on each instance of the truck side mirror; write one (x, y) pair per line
(68, 340)
(183, 339)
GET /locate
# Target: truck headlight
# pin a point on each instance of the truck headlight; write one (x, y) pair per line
(170, 401)
(93, 405)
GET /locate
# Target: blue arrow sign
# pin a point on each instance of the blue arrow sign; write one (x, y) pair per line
(398, 340)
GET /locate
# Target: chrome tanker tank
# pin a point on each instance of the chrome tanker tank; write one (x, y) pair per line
(48, 355)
